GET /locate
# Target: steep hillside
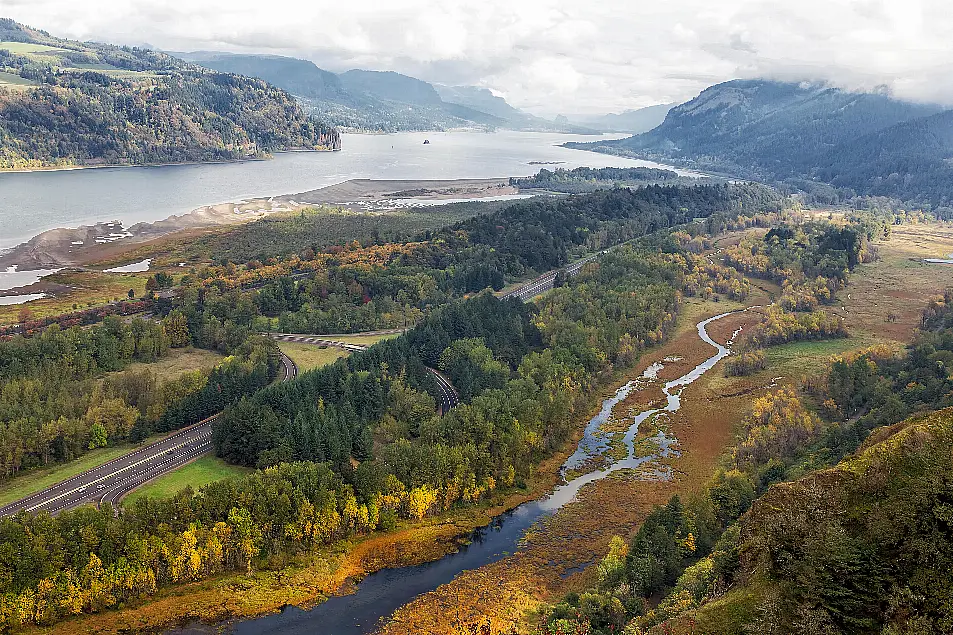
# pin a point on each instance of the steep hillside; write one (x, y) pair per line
(867, 143)
(70, 103)
(865, 547)
(484, 100)
(298, 77)
(379, 100)
(390, 86)
(910, 160)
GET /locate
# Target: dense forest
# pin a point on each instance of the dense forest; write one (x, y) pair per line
(580, 180)
(390, 285)
(65, 392)
(357, 445)
(86, 104)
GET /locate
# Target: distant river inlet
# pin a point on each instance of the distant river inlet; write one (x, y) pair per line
(33, 202)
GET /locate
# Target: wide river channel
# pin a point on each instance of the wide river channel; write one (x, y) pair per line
(380, 594)
(33, 202)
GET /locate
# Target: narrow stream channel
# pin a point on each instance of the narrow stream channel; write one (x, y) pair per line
(380, 594)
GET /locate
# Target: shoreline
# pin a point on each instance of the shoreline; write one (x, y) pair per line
(86, 245)
(70, 168)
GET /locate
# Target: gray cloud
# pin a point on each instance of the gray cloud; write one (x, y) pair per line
(552, 56)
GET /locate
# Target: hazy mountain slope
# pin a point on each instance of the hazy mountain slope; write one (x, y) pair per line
(634, 121)
(773, 127)
(480, 99)
(807, 134)
(391, 86)
(70, 103)
(379, 100)
(911, 160)
(298, 77)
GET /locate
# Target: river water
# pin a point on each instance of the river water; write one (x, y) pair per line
(33, 202)
(380, 594)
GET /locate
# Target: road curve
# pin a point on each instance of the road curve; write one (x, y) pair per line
(447, 396)
(109, 482)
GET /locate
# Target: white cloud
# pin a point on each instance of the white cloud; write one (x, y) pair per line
(552, 56)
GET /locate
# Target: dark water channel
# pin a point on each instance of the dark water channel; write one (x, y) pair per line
(379, 594)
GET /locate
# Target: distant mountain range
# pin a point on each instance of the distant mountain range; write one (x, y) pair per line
(812, 136)
(382, 100)
(67, 103)
(633, 121)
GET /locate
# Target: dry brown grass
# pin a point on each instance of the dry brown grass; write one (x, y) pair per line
(557, 557)
(899, 283)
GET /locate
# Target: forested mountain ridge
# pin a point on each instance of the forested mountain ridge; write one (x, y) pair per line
(864, 143)
(380, 100)
(298, 77)
(71, 103)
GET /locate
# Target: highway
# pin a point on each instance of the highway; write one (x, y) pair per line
(110, 481)
(544, 283)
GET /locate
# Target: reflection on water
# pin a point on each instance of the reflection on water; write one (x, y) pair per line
(135, 267)
(13, 279)
(382, 593)
(7, 300)
(945, 261)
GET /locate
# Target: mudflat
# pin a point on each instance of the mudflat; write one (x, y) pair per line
(82, 246)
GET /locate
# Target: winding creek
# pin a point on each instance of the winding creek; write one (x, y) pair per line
(379, 594)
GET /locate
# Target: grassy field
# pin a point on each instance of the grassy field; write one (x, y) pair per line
(364, 340)
(802, 359)
(308, 357)
(75, 291)
(29, 48)
(884, 298)
(180, 360)
(9, 80)
(202, 471)
(39, 479)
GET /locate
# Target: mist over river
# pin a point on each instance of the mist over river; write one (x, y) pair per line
(33, 202)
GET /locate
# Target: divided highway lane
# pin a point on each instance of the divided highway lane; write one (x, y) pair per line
(545, 282)
(110, 481)
(90, 486)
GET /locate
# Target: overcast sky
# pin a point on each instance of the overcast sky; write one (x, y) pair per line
(552, 56)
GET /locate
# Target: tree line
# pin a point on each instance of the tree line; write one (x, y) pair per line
(356, 446)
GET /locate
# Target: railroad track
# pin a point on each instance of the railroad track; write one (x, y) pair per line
(109, 482)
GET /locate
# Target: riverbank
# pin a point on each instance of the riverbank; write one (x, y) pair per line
(559, 555)
(88, 245)
(101, 166)
(331, 571)
(36, 202)
(210, 605)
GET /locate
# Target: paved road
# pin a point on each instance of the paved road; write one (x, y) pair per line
(447, 397)
(110, 481)
(544, 283)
